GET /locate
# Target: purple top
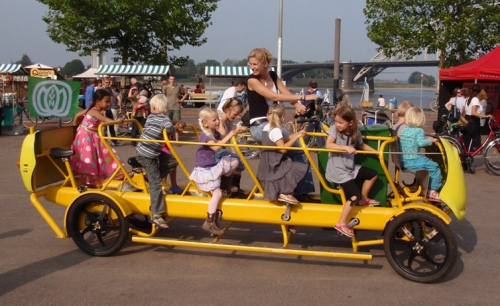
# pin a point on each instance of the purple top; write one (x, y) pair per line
(205, 156)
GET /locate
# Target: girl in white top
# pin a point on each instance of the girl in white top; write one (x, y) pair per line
(472, 138)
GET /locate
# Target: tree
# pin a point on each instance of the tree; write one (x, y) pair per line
(416, 78)
(24, 61)
(210, 62)
(72, 68)
(137, 31)
(461, 30)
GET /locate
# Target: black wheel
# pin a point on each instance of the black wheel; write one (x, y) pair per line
(492, 157)
(97, 225)
(139, 221)
(420, 246)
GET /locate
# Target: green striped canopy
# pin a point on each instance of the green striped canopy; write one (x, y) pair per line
(9, 68)
(153, 70)
(228, 71)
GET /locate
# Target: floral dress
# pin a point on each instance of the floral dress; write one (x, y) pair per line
(92, 161)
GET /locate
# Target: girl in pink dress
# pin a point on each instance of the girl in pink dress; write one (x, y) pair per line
(92, 161)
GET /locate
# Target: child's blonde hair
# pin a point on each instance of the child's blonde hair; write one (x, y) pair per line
(274, 115)
(206, 111)
(234, 104)
(160, 103)
(144, 93)
(347, 113)
(415, 117)
(403, 107)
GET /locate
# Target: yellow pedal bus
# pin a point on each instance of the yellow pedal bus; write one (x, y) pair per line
(414, 231)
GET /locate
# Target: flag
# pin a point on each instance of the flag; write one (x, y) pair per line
(52, 98)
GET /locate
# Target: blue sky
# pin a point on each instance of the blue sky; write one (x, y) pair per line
(238, 26)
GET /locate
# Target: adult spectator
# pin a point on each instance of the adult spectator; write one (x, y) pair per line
(343, 99)
(113, 108)
(314, 126)
(264, 88)
(381, 101)
(172, 91)
(197, 90)
(89, 92)
(135, 83)
(472, 138)
(202, 85)
(231, 92)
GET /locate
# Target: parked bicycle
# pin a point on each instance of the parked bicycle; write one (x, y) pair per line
(376, 116)
(490, 148)
(434, 103)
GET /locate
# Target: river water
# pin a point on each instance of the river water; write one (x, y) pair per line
(400, 95)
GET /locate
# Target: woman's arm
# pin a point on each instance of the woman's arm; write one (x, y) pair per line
(476, 114)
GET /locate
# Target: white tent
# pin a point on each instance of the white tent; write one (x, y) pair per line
(133, 70)
(38, 66)
(89, 74)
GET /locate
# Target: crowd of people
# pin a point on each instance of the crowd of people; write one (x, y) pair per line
(285, 173)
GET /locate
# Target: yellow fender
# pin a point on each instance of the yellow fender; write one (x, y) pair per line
(454, 192)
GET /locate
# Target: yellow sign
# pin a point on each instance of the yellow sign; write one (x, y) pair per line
(41, 73)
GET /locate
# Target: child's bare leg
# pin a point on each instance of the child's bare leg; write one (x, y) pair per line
(346, 210)
(367, 186)
(234, 165)
(214, 201)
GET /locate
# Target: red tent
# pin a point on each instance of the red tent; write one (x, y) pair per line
(485, 68)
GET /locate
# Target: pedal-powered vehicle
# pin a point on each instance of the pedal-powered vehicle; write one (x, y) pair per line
(414, 231)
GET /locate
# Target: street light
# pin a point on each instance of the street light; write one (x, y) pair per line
(421, 84)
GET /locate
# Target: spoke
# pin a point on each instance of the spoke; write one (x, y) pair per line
(411, 258)
(86, 230)
(99, 237)
(103, 212)
(429, 259)
(417, 227)
(90, 216)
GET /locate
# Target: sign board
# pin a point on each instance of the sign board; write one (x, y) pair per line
(42, 73)
(55, 98)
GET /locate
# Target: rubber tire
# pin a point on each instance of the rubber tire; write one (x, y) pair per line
(492, 152)
(433, 105)
(393, 234)
(112, 238)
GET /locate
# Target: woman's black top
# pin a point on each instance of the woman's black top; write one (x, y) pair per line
(257, 104)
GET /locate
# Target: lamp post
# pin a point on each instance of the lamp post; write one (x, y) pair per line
(421, 84)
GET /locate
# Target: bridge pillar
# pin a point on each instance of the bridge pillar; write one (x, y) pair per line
(347, 76)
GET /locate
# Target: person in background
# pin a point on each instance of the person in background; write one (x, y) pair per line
(202, 85)
(109, 112)
(472, 139)
(231, 92)
(89, 92)
(381, 101)
(197, 90)
(175, 99)
(484, 128)
(314, 126)
(343, 99)
(457, 99)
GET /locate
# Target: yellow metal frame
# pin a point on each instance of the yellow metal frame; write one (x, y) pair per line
(254, 209)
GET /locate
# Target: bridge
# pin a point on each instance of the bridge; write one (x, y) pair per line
(352, 74)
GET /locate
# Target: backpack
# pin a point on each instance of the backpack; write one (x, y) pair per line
(454, 114)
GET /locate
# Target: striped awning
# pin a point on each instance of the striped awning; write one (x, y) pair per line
(9, 68)
(153, 70)
(228, 71)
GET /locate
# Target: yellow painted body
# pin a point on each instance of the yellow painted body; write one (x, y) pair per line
(51, 178)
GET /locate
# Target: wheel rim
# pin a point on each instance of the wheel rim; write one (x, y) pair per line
(421, 247)
(97, 226)
(492, 159)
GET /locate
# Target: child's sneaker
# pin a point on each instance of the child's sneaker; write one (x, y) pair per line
(433, 195)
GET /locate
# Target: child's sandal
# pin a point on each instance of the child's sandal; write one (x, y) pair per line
(159, 221)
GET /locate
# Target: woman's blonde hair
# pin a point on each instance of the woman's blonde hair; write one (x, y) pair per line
(160, 103)
(415, 117)
(274, 115)
(261, 54)
(482, 95)
(234, 104)
(403, 107)
(205, 112)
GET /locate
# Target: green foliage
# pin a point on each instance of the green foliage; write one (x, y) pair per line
(462, 30)
(73, 68)
(137, 31)
(24, 61)
(416, 78)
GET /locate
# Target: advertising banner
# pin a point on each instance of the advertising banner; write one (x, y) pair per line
(52, 98)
